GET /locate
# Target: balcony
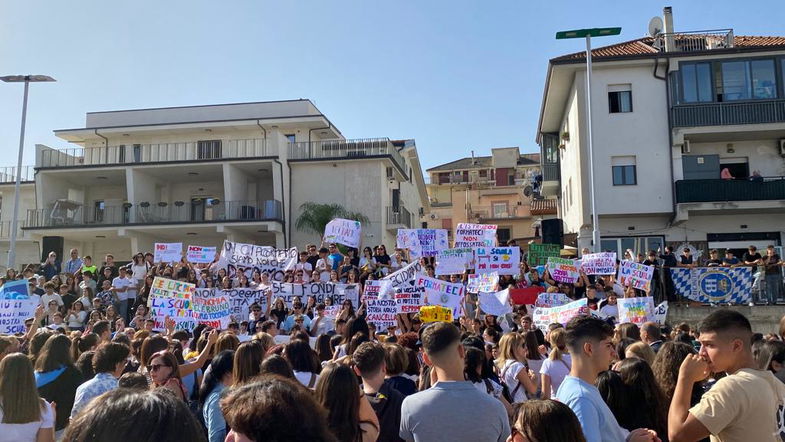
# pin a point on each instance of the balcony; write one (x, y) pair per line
(347, 149)
(398, 218)
(728, 113)
(145, 213)
(694, 41)
(8, 174)
(698, 191)
(483, 213)
(155, 153)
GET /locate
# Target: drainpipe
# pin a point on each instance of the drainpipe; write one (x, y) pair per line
(670, 131)
(329, 126)
(106, 142)
(280, 168)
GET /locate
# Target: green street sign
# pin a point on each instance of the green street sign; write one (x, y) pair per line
(582, 33)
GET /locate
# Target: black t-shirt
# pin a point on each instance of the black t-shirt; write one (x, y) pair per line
(714, 263)
(312, 261)
(382, 259)
(750, 257)
(685, 259)
(669, 259)
(68, 300)
(387, 406)
(772, 269)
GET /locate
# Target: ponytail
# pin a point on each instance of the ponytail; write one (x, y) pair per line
(558, 340)
(75, 348)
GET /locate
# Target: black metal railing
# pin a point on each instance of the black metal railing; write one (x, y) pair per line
(205, 211)
(550, 172)
(8, 174)
(348, 149)
(728, 113)
(694, 41)
(398, 216)
(763, 189)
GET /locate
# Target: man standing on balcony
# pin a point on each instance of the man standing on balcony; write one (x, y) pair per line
(668, 262)
(753, 258)
(73, 265)
(773, 275)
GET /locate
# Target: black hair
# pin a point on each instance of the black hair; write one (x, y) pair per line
(725, 320)
(581, 328)
(220, 366)
(439, 336)
(616, 395)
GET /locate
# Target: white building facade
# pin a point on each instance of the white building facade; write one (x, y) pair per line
(202, 174)
(670, 114)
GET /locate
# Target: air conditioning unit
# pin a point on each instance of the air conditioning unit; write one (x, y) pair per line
(782, 147)
(685, 148)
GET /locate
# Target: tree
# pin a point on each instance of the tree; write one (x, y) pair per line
(315, 216)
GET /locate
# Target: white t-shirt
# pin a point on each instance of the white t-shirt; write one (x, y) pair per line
(77, 320)
(535, 365)
(26, 432)
(305, 378)
(122, 283)
(610, 310)
(510, 372)
(306, 268)
(496, 389)
(557, 370)
(46, 299)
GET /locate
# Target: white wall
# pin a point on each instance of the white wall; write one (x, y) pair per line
(762, 155)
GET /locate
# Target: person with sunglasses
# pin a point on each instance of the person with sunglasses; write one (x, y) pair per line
(164, 373)
(541, 420)
(297, 312)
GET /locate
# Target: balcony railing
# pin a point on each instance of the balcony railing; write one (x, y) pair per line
(346, 149)
(695, 41)
(179, 212)
(488, 212)
(550, 172)
(155, 153)
(728, 113)
(8, 174)
(398, 216)
(696, 191)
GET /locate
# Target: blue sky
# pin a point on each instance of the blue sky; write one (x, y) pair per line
(455, 75)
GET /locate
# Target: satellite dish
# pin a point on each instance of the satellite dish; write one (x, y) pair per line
(655, 26)
(527, 191)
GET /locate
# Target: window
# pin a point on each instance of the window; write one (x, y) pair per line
(696, 81)
(746, 80)
(208, 149)
(137, 153)
(638, 244)
(447, 224)
(624, 173)
(620, 98)
(483, 173)
(100, 209)
(290, 137)
(121, 153)
(390, 172)
(500, 210)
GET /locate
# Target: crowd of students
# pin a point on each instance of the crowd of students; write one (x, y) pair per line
(107, 375)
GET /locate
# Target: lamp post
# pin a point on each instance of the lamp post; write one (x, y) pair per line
(26, 79)
(588, 34)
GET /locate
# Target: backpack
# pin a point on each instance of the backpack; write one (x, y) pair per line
(510, 395)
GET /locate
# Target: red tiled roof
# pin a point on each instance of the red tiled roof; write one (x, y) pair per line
(543, 207)
(643, 47)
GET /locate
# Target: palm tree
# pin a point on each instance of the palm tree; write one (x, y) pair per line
(315, 216)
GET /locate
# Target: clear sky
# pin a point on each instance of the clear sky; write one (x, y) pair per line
(455, 75)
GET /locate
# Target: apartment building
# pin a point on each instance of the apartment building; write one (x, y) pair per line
(689, 140)
(495, 189)
(202, 174)
(27, 250)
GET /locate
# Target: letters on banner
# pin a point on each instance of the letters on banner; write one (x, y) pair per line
(454, 261)
(200, 254)
(503, 260)
(563, 270)
(405, 276)
(599, 263)
(212, 307)
(542, 316)
(422, 242)
(15, 306)
(168, 252)
(343, 231)
(172, 299)
(438, 292)
(552, 300)
(246, 258)
(378, 289)
(636, 310)
(539, 253)
(381, 312)
(635, 274)
(484, 282)
(435, 313)
(409, 299)
(475, 235)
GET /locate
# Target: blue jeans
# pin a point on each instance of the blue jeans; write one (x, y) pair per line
(773, 287)
(123, 310)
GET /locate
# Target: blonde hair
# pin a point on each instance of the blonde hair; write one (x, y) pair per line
(552, 290)
(507, 346)
(265, 339)
(642, 351)
(18, 393)
(558, 339)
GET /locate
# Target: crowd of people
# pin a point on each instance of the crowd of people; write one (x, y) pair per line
(91, 365)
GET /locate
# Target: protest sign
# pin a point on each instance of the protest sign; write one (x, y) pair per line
(172, 299)
(563, 270)
(409, 299)
(661, 312)
(14, 312)
(378, 289)
(496, 304)
(438, 292)
(539, 253)
(504, 260)
(453, 261)
(561, 314)
(320, 291)
(635, 274)
(245, 258)
(212, 307)
(200, 254)
(435, 313)
(551, 300)
(484, 282)
(382, 313)
(240, 300)
(331, 311)
(422, 242)
(168, 252)
(19, 289)
(343, 231)
(636, 310)
(405, 276)
(599, 263)
(475, 235)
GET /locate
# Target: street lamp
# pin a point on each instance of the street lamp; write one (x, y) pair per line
(27, 79)
(588, 34)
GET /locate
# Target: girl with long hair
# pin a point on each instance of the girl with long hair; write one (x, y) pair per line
(350, 416)
(216, 379)
(474, 366)
(534, 359)
(56, 377)
(558, 364)
(651, 404)
(512, 367)
(24, 416)
(247, 362)
(545, 420)
(164, 373)
(304, 361)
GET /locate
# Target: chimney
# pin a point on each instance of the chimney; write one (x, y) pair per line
(473, 161)
(667, 13)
